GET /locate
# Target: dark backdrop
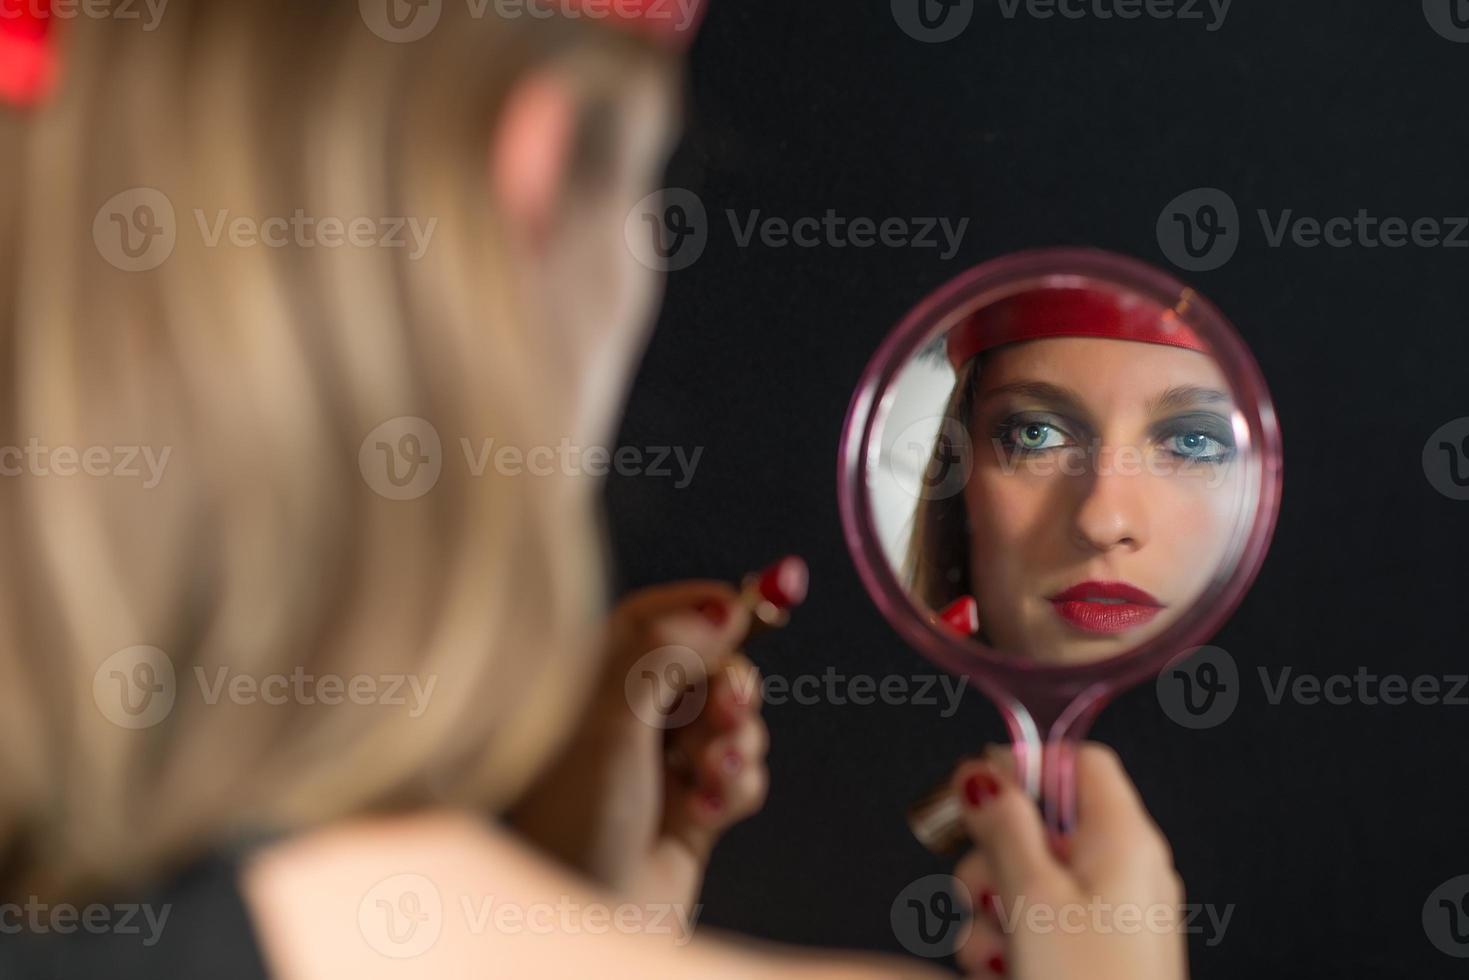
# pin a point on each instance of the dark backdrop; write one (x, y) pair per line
(1326, 826)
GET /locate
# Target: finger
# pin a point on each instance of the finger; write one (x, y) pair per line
(1003, 821)
(734, 697)
(713, 599)
(984, 948)
(1113, 826)
(976, 874)
(735, 693)
(704, 617)
(723, 759)
(701, 756)
(699, 814)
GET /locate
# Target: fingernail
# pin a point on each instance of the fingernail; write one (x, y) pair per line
(962, 616)
(715, 611)
(712, 801)
(732, 762)
(784, 583)
(996, 964)
(980, 787)
(990, 904)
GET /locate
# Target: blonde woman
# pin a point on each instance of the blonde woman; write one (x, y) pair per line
(263, 704)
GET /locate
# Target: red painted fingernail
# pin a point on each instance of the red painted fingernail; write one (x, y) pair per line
(962, 615)
(784, 584)
(712, 801)
(732, 762)
(996, 964)
(980, 787)
(714, 611)
(990, 904)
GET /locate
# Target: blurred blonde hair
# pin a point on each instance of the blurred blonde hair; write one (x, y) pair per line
(261, 371)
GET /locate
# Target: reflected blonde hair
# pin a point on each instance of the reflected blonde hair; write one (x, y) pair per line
(261, 371)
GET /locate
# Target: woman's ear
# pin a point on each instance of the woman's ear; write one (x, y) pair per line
(530, 154)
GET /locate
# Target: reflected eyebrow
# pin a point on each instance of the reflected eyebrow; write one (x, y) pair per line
(1187, 396)
(1041, 391)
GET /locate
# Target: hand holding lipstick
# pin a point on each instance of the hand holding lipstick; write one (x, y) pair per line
(671, 753)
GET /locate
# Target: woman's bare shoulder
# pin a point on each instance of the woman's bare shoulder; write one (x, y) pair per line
(448, 895)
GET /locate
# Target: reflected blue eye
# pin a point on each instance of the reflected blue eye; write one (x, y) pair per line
(1200, 446)
(1031, 435)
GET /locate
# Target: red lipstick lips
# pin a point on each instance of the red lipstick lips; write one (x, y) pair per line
(1105, 607)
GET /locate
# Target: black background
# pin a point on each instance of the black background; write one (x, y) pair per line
(1325, 826)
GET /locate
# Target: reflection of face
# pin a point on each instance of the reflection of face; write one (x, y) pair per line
(1104, 464)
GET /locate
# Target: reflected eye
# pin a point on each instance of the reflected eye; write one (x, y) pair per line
(1036, 435)
(1198, 445)
(1032, 435)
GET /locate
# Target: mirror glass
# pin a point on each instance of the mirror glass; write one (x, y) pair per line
(1060, 472)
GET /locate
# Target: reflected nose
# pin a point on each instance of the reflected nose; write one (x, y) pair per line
(1113, 511)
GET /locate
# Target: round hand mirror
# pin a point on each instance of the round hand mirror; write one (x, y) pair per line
(1061, 470)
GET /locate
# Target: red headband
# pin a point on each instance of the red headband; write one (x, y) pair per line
(1069, 312)
(27, 58)
(671, 22)
(28, 55)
